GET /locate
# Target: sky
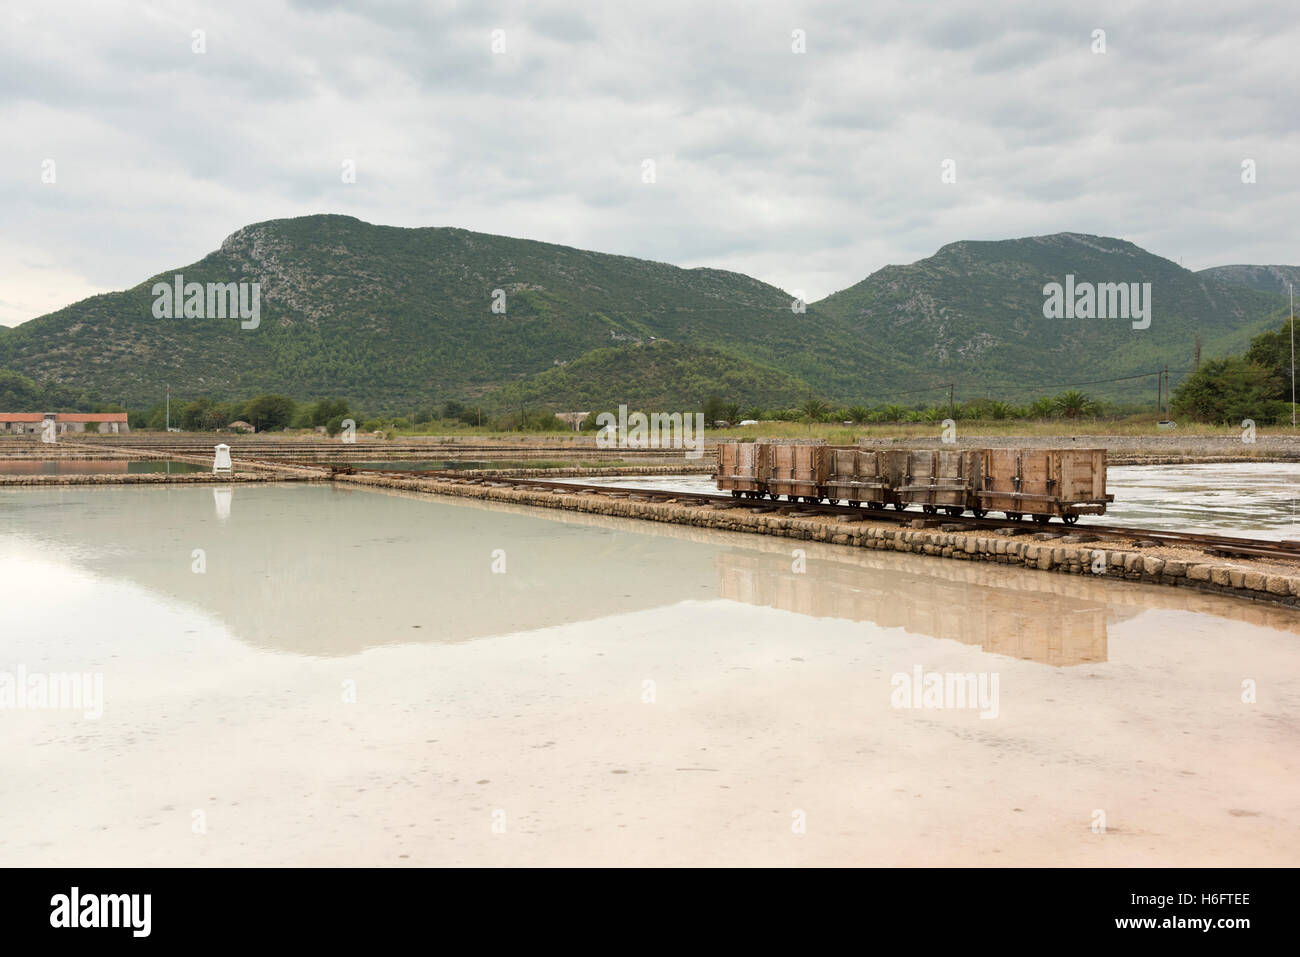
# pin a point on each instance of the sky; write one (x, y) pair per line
(803, 144)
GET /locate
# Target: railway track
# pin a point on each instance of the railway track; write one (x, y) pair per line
(1286, 550)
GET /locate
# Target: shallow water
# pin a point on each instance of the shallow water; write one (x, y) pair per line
(95, 467)
(349, 681)
(1261, 500)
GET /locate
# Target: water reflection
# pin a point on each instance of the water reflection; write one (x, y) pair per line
(330, 570)
(1059, 631)
(221, 497)
(94, 467)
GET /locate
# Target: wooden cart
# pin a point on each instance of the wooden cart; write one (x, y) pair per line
(943, 478)
(797, 469)
(855, 476)
(1045, 482)
(739, 469)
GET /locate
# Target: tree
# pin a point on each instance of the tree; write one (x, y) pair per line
(18, 393)
(1225, 391)
(269, 412)
(1272, 351)
(713, 409)
(1073, 404)
(1041, 408)
(321, 411)
(814, 410)
(193, 416)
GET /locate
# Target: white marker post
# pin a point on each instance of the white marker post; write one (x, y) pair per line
(222, 461)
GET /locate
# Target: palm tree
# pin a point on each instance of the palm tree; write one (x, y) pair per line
(890, 413)
(1042, 408)
(814, 410)
(731, 412)
(1074, 404)
(857, 413)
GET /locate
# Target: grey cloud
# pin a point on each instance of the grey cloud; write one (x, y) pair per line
(784, 166)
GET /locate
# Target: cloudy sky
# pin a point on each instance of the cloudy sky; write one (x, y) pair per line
(807, 170)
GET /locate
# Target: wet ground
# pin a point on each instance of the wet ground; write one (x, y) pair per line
(316, 675)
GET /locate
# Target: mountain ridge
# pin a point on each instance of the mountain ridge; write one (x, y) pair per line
(396, 315)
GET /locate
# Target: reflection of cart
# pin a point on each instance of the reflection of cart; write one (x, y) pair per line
(1045, 482)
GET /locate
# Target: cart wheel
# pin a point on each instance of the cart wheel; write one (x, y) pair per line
(1014, 516)
(1069, 519)
(979, 512)
(954, 510)
(900, 506)
(928, 509)
(1041, 519)
(735, 494)
(855, 504)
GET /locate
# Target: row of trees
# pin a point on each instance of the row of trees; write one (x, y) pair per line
(1066, 405)
(1255, 386)
(264, 413)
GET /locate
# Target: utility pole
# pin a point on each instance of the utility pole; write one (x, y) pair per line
(169, 409)
(1292, 325)
(950, 411)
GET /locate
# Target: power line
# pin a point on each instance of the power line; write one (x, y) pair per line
(1004, 388)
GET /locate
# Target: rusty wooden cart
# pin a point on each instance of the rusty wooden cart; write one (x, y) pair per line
(797, 469)
(945, 479)
(1042, 483)
(739, 470)
(855, 475)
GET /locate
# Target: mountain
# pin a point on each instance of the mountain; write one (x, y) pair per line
(1277, 279)
(973, 313)
(388, 315)
(653, 375)
(392, 318)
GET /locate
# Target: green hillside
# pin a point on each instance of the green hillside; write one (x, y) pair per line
(383, 314)
(656, 375)
(973, 313)
(390, 316)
